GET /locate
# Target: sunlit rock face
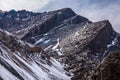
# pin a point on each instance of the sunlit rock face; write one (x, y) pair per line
(84, 49)
(64, 45)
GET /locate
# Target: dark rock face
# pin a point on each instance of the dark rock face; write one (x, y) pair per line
(26, 25)
(98, 34)
(68, 27)
(14, 20)
(104, 37)
(51, 20)
(31, 23)
(12, 43)
(109, 69)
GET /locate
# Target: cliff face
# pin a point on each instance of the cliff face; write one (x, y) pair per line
(84, 49)
(26, 24)
(94, 35)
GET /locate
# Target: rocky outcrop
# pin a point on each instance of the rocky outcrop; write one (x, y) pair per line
(14, 44)
(84, 49)
(94, 35)
(109, 69)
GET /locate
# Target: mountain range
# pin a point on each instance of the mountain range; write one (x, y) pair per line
(57, 45)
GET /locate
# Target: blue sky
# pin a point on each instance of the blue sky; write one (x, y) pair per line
(95, 10)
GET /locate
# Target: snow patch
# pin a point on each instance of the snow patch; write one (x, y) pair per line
(77, 33)
(57, 48)
(6, 75)
(57, 70)
(60, 12)
(21, 71)
(113, 42)
(40, 40)
(56, 44)
(46, 34)
(46, 41)
(17, 19)
(8, 33)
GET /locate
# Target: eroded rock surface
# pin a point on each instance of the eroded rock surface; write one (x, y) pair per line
(109, 69)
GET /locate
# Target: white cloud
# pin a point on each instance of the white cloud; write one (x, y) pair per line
(32, 5)
(97, 13)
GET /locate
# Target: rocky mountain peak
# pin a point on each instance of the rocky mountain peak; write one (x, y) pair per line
(86, 47)
(68, 11)
(98, 34)
(104, 36)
